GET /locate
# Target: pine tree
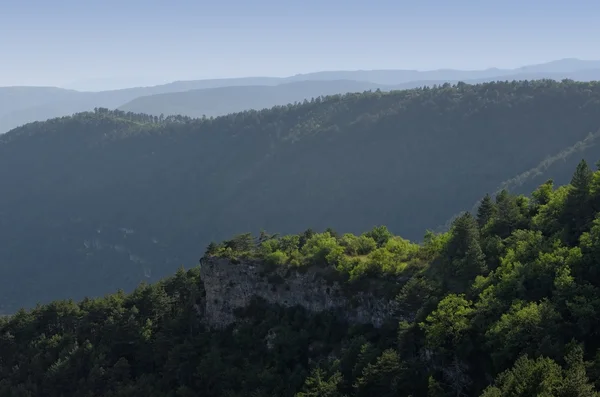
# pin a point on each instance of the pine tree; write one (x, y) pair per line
(331, 232)
(507, 216)
(464, 259)
(578, 212)
(582, 178)
(308, 233)
(318, 385)
(575, 382)
(211, 249)
(434, 389)
(485, 211)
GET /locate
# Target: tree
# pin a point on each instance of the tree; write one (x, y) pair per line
(319, 385)
(575, 382)
(332, 232)
(308, 233)
(211, 249)
(540, 377)
(578, 210)
(241, 243)
(508, 216)
(446, 327)
(541, 196)
(383, 378)
(485, 211)
(434, 389)
(380, 234)
(463, 258)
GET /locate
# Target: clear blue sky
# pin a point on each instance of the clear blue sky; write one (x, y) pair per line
(56, 42)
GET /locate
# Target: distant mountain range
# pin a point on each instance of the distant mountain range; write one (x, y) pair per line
(21, 105)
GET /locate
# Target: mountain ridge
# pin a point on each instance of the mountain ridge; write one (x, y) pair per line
(205, 102)
(13, 114)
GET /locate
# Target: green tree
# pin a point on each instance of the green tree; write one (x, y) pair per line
(508, 216)
(485, 211)
(578, 213)
(576, 382)
(382, 378)
(463, 258)
(241, 243)
(447, 327)
(306, 235)
(212, 248)
(380, 234)
(541, 377)
(434, 389)
(319, 385)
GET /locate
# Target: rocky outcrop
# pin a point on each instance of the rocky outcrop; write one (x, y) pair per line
(230, 286)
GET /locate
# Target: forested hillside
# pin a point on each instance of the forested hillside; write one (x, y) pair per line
(223, 100)
(503, 304)
(21, 105)
(104, 199)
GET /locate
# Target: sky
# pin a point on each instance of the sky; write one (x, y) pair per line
(80, 43)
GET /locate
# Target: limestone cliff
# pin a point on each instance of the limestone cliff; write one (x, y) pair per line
(230, 286)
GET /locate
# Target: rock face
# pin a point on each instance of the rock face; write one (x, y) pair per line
(230, 286)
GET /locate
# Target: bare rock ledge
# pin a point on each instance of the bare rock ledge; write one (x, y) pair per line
(230, 286)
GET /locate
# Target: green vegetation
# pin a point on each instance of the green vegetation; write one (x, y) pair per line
(505, 303)
(353, 261)
(102, 200)
(375, 253)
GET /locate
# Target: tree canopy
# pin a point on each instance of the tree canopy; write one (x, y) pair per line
(502, 304)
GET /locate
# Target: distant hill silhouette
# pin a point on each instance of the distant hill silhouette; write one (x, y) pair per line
(21, 105)
(223, 100)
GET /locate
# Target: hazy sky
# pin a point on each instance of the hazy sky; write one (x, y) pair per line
(60, 42)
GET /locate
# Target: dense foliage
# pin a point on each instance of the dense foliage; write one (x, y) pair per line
(376, 252)
(109, 198)
(505, 303)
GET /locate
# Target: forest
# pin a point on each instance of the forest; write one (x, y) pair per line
(504, 303)
(110, 198)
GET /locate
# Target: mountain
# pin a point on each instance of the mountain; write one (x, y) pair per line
(504, 304)
(580, 75)
(393, 77)
(114, 83)
(16, 98)
(37, 103)
(104, 199)
(223, 100)
(41, 103)
(565, 65)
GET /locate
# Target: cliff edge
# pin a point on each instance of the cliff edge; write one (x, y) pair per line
(230, 286)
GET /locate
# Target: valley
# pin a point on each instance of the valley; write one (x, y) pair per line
(109, 199)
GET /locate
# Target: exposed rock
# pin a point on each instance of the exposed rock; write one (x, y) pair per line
(230, 286)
